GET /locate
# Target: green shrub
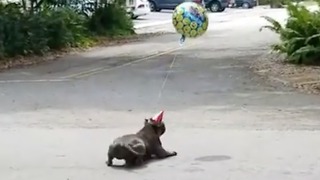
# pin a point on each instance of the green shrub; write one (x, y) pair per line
(300, 35)
(264, 2)
(111, 20)
(65, 28)
(24, 33)
(53, 27)
(12, 37)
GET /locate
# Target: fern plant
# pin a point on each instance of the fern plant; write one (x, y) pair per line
(299, 36)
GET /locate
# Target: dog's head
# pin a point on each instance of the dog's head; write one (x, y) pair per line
(158, 126)
(156, 123)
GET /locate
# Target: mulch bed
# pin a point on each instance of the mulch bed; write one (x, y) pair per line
(304, 78)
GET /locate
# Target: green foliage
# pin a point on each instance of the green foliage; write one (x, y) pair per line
(111, 19)
(299, 36)
(65, 28)
(264, 2)
(54, 24)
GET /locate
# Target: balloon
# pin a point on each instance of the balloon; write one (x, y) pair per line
(190, 20)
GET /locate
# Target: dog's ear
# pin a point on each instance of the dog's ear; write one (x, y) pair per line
(146, 121)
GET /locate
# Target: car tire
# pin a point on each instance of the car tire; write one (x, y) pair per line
(153, 7)
(221, 9)
(214, 6)
(245, 5)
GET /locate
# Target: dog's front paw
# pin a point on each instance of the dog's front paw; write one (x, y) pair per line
(174, 153)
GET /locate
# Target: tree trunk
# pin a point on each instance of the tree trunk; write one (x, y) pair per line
(24, 5)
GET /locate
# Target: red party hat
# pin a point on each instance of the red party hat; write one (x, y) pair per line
(158, 117)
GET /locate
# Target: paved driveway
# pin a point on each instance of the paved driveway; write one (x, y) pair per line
(225, 122)
(164, 17)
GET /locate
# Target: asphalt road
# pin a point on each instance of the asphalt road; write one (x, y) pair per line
(164, 17)
(225, 122)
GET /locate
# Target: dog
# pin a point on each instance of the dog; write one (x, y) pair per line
(141, 146)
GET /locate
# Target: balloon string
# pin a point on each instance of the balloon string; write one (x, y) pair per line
(165, 79)
(182, 39)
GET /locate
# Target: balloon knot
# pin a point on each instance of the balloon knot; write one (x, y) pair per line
(182, 39)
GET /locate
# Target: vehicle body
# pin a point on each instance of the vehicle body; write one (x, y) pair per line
(136, 8)
(216, 5)
(246, 4)
(212, 5)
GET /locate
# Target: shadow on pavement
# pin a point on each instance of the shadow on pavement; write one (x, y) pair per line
(130, 168)
(212, 158)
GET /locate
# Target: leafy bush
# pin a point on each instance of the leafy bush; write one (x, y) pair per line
(264, 2)
(111, 19)
(65, 28)
(300, 35)
(53, 27)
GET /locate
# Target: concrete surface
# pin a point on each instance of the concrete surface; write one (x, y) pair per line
(57, 119)
(164, 17)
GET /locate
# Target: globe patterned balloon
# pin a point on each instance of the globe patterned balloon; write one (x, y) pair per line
(190, 19)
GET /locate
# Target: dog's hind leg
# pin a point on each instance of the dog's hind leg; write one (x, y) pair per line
(109, 161)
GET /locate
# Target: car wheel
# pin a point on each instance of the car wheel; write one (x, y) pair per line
(221, 9)
(153, 7)
(245, 5)
(214, 7)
